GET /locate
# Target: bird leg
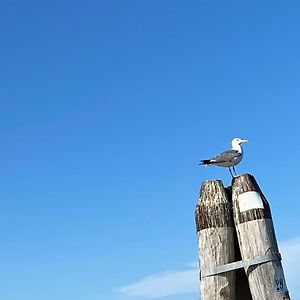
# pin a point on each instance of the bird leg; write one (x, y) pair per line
(230, 172)
(234, 170)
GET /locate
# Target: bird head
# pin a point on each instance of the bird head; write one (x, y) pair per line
(237, 141)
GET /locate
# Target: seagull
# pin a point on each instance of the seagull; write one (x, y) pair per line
(229, 158)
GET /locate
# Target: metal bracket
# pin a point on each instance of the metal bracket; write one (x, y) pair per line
(241, 264)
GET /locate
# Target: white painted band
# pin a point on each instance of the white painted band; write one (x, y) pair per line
(250, 200)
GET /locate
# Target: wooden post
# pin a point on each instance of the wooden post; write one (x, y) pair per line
(215, 240)
(256, 237)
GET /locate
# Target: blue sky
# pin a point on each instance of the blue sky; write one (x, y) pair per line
(106, 109)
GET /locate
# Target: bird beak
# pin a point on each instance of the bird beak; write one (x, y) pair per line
(243, 141)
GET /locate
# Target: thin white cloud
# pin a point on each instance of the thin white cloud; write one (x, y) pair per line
(164, 284)
(187, 281)
(290, 251)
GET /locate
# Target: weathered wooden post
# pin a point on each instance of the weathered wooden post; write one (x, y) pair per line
(215, 234)
(257, 240)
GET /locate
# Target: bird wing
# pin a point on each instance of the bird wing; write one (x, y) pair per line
(226, 156)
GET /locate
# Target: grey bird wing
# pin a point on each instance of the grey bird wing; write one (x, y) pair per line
(226, 156)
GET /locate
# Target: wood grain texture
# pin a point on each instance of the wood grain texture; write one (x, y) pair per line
(215, 240)
(256, 237)
(242, 290)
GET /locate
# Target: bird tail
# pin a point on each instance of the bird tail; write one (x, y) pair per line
(204, 162)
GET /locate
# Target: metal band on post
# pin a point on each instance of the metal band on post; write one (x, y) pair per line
(241, 264)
